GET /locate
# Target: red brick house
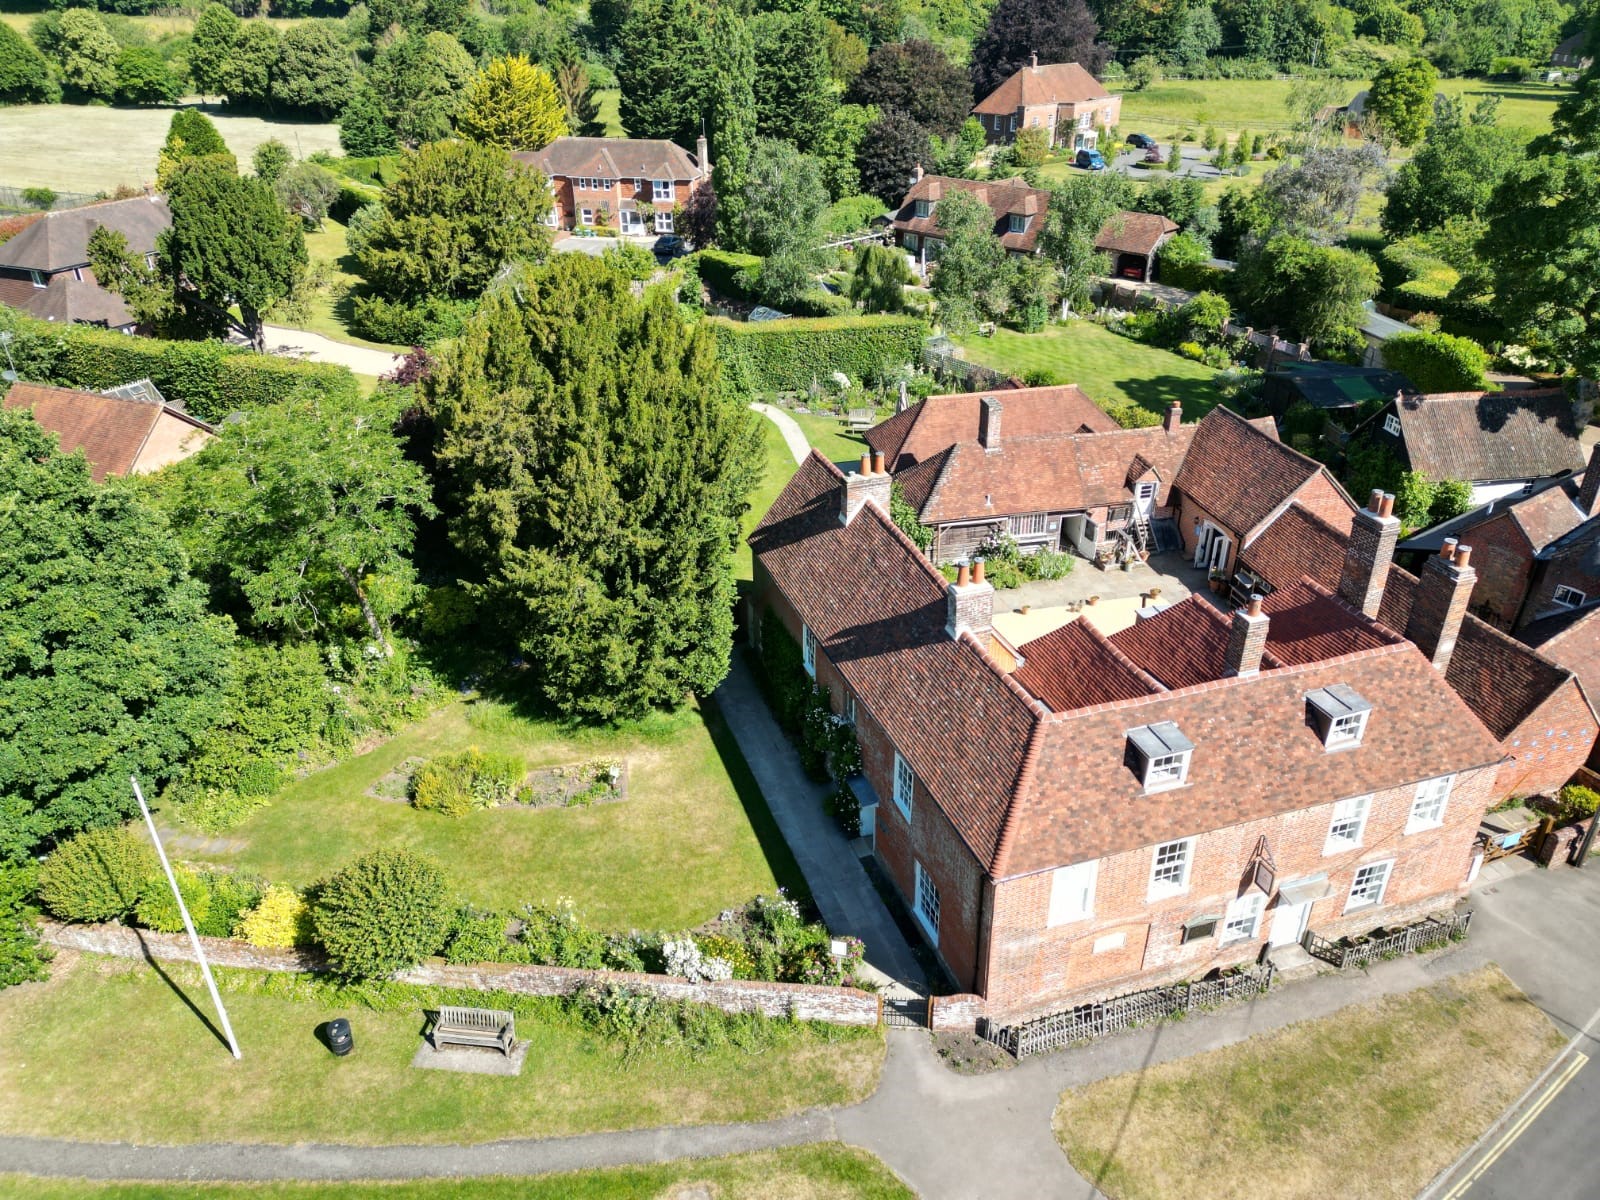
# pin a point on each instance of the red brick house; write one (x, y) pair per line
(129, 430)
(1121, 812)
(1019, 213)
(1060, 97)
(1132, 240)
(44, 269)
(628, 184)
(1572, 640)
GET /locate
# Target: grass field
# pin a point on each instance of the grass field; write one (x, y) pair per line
(81, 148)
(111, 1049)
(330, 307)
(1368, 1104)
(692, 837)
(820, 1171)
(829, 434)
(1108, 367)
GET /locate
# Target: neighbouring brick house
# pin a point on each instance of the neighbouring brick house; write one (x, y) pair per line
(1126, 811)
(44, 269)
(1019, 212)
(127, 431)
(1537, 551)
(1572, 640)
(1060, 97)
(1501, 443)
(629, 184)
(1132, 240)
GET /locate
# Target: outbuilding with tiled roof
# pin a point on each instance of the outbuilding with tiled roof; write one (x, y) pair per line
(1132, 240)
(123, 434)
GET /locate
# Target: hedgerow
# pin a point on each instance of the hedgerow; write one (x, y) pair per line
(791, 355)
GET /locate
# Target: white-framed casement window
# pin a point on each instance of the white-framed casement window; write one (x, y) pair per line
(1569, 597)
(1016, 223)
(631, 221)
(1159, 754)
(1347, 729)
(905, 784)
(1369, 885)
(1030, 524)
(1427, 809)
(1167, 770)
(1391, 424)
(1242, 921)
(927, 905)
(1348, 824)
(664, 222)
(1072, 893)
(586, 216)
(1169, 872)
(808, 650)
(1013, 126)
(849, 707)
(661, 191)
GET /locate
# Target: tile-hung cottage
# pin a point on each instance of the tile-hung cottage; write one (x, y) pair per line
(1119, 812)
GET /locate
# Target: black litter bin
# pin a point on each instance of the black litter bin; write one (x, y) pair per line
(340, 1040)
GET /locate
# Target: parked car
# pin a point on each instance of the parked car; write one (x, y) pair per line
(1090, 160)
(1153, 155)
(670, 245)
(1141, 141)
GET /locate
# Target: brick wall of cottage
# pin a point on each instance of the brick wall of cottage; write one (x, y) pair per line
(1550, 744)
(1503, 557)
(1131, 942)
(1570, 571)
(570, 200)
(1321, 495)
(1190, 513)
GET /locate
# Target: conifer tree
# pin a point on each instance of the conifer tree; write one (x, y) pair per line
(514, 105)
(663, 68)
(794, 81)
(596, 467)
(732, 131)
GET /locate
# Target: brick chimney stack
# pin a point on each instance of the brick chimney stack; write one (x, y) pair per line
(1248, 639)
(1033, 60)
(1369, 553)
(969, 603)
(702, 151)
(868, 484)
(1174, 417)
(1443, 591)
(989, 424)
(1589, 491)
(916, 175)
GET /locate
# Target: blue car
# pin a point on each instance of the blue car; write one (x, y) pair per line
(1090, 160)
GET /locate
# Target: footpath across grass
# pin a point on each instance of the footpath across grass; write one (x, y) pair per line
(1368, 1104)
(113, 1050)
(821, 1171)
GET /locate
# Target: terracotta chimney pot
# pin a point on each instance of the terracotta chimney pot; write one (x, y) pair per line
(963, 575)
(977, 571)
(1448, 549)
(1463, 555)
(877, 462)
(866, 463)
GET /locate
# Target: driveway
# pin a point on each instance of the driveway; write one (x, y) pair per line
(298, 343)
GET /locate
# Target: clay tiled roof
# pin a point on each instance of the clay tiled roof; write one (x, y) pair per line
(939, 422)
(1296, 545)
(1057, 473)
(1054, 83)
(1491, 435)
(613, 158)
(1003, 196)
(1182, 646)
(1076, 666)
(878, 609)
(1134, 233)
(109, 430)
(1308, 624)
(1240, 473)
(1549, 515)
(1571, 639)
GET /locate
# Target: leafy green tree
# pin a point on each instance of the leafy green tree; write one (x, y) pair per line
(956, 156)
(142, 285)
(1317, 291)
(580, 99)
(1575, 124)
(1059, 31)
(143, 78)
(1174, 162)
(24, 72)
(255, 64)
(315, 69)
(22, 958)
(1318, 197)
(1080, 206)
(919, 79)
(307, 190)
(110, 664)
(270, 160)
(784, 199)
(1031, 147)
(879, 280)
(732, 118)
(419, 80)
(514, 105)
(1144, 71)
(607, 547)
(892, 147)
(908, 519)
(793, 82)
(1453, 174)
(1401, 98)
(847, 54)
(456, 214)
(972, 281)
(211, 47)
(385, 912)
(302, 516)
(839, 147)
(1438, 362)
(664, 69)
(364, 130)
(87, 54)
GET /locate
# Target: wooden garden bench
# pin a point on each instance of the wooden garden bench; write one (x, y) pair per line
(862, 418)
(475, 1027)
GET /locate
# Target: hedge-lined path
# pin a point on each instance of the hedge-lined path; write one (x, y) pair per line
(315, 347)
(793, 436)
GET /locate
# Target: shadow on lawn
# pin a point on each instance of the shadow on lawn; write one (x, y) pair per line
(180, 993)
(1157, 392)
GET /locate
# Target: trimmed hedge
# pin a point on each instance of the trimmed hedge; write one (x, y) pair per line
(731, 275)
(209, 378)
(790, 355)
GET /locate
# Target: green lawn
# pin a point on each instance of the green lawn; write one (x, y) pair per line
(820, 1171)
(113, 1049)
(1110, 368)
(693, 837)
(1367, 1104)
(829, 434)
(330, 307)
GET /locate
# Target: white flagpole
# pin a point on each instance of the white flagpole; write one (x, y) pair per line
(194, 938)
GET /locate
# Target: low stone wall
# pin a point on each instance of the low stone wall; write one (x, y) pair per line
(1560, 849)
(807, 1002)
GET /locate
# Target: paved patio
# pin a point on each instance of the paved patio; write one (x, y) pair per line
(1118, 595)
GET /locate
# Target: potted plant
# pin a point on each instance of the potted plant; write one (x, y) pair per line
(1217, 579)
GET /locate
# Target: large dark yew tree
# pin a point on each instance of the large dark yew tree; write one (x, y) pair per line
(109, 663)
(1061, 31)
(919, 79)
(596, 468)
(664, 69)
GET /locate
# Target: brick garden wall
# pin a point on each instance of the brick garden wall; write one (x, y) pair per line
(837, 1006)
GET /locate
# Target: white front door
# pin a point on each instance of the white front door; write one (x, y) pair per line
(1288, 923)
(1220, 544)
(1144, 499)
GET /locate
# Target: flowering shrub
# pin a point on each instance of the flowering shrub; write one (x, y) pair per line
(684, 958)
(282, 919)
(455, 784)
(554, 934)
(718, 947)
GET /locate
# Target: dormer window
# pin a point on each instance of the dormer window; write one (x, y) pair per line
(924, 208)
(1391, 424)
(1016, 223)
(1159, 754)
(1339, 715)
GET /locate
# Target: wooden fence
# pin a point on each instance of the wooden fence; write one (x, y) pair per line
(1424, 935)
(1088, 1021)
